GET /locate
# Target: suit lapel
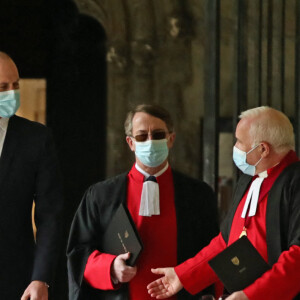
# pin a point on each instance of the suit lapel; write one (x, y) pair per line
(9, 147)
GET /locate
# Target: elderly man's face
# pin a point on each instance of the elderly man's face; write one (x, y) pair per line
(143, 123)
(244, 141)
(9, 76)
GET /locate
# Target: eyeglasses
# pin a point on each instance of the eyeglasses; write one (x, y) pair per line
(156, 135)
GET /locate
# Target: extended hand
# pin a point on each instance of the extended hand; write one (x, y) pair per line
(240, 295)
(37, 290)
(166, 286)
(120, 270)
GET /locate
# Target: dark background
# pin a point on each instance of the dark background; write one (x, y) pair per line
(51, 40)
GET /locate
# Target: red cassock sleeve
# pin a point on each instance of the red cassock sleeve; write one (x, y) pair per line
(97, 271)
(282, 281)
(195, 274)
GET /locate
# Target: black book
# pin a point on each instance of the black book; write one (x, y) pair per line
(239, 265)
(121, 236)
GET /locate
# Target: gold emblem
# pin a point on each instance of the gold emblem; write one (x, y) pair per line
(126, 234)
(235, 261)
(244, 232)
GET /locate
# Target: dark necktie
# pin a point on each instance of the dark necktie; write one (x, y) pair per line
(151, 178)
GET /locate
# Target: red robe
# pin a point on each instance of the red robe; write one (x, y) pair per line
(158, 233)
(281, 282)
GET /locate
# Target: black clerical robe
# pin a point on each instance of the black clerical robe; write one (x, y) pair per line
(98, 206)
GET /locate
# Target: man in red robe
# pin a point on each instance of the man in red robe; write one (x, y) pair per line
(175, 216)
(266, 208)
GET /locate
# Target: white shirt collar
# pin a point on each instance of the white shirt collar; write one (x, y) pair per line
(147, 174)
(263, 174)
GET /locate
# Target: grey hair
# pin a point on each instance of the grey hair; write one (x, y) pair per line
(271, 126)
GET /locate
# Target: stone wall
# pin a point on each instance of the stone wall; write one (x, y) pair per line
(155, 54)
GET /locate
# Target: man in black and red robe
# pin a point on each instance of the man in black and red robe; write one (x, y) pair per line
(266, 208)
(175, 216)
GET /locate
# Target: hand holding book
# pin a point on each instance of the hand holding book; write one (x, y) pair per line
(120, 271)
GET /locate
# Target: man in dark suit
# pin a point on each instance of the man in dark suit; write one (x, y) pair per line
(175, 216)
(28, 173)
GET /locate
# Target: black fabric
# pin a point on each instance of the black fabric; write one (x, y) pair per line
(151, 178)
(240, 190)
(196, 212)
(283, 212)
(29, 171)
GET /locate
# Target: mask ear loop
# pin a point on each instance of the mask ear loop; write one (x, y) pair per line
(251, 151)
(258, 162)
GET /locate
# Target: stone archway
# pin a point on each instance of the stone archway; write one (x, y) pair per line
(149, 61)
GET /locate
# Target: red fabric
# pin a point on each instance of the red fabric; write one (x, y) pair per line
(158, 233)
(256, 230)
(195, 274)
(97, 270)
(281, 282)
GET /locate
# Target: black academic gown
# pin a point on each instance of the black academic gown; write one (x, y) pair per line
(196, 213)
(28, 171)
(283, 212)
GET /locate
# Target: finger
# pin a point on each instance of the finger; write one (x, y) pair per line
(128, 274)
(158, 288)
(162, 296)
(25, 296)
(157, 291)
(154, 284)
(159, 271)
(131, 269)
(159, 294)
(124, 256)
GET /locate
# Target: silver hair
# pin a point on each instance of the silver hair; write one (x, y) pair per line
(271, 126)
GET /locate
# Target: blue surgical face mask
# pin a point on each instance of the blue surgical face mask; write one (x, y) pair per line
(152, 153)
(240, 160)
(9, 103)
